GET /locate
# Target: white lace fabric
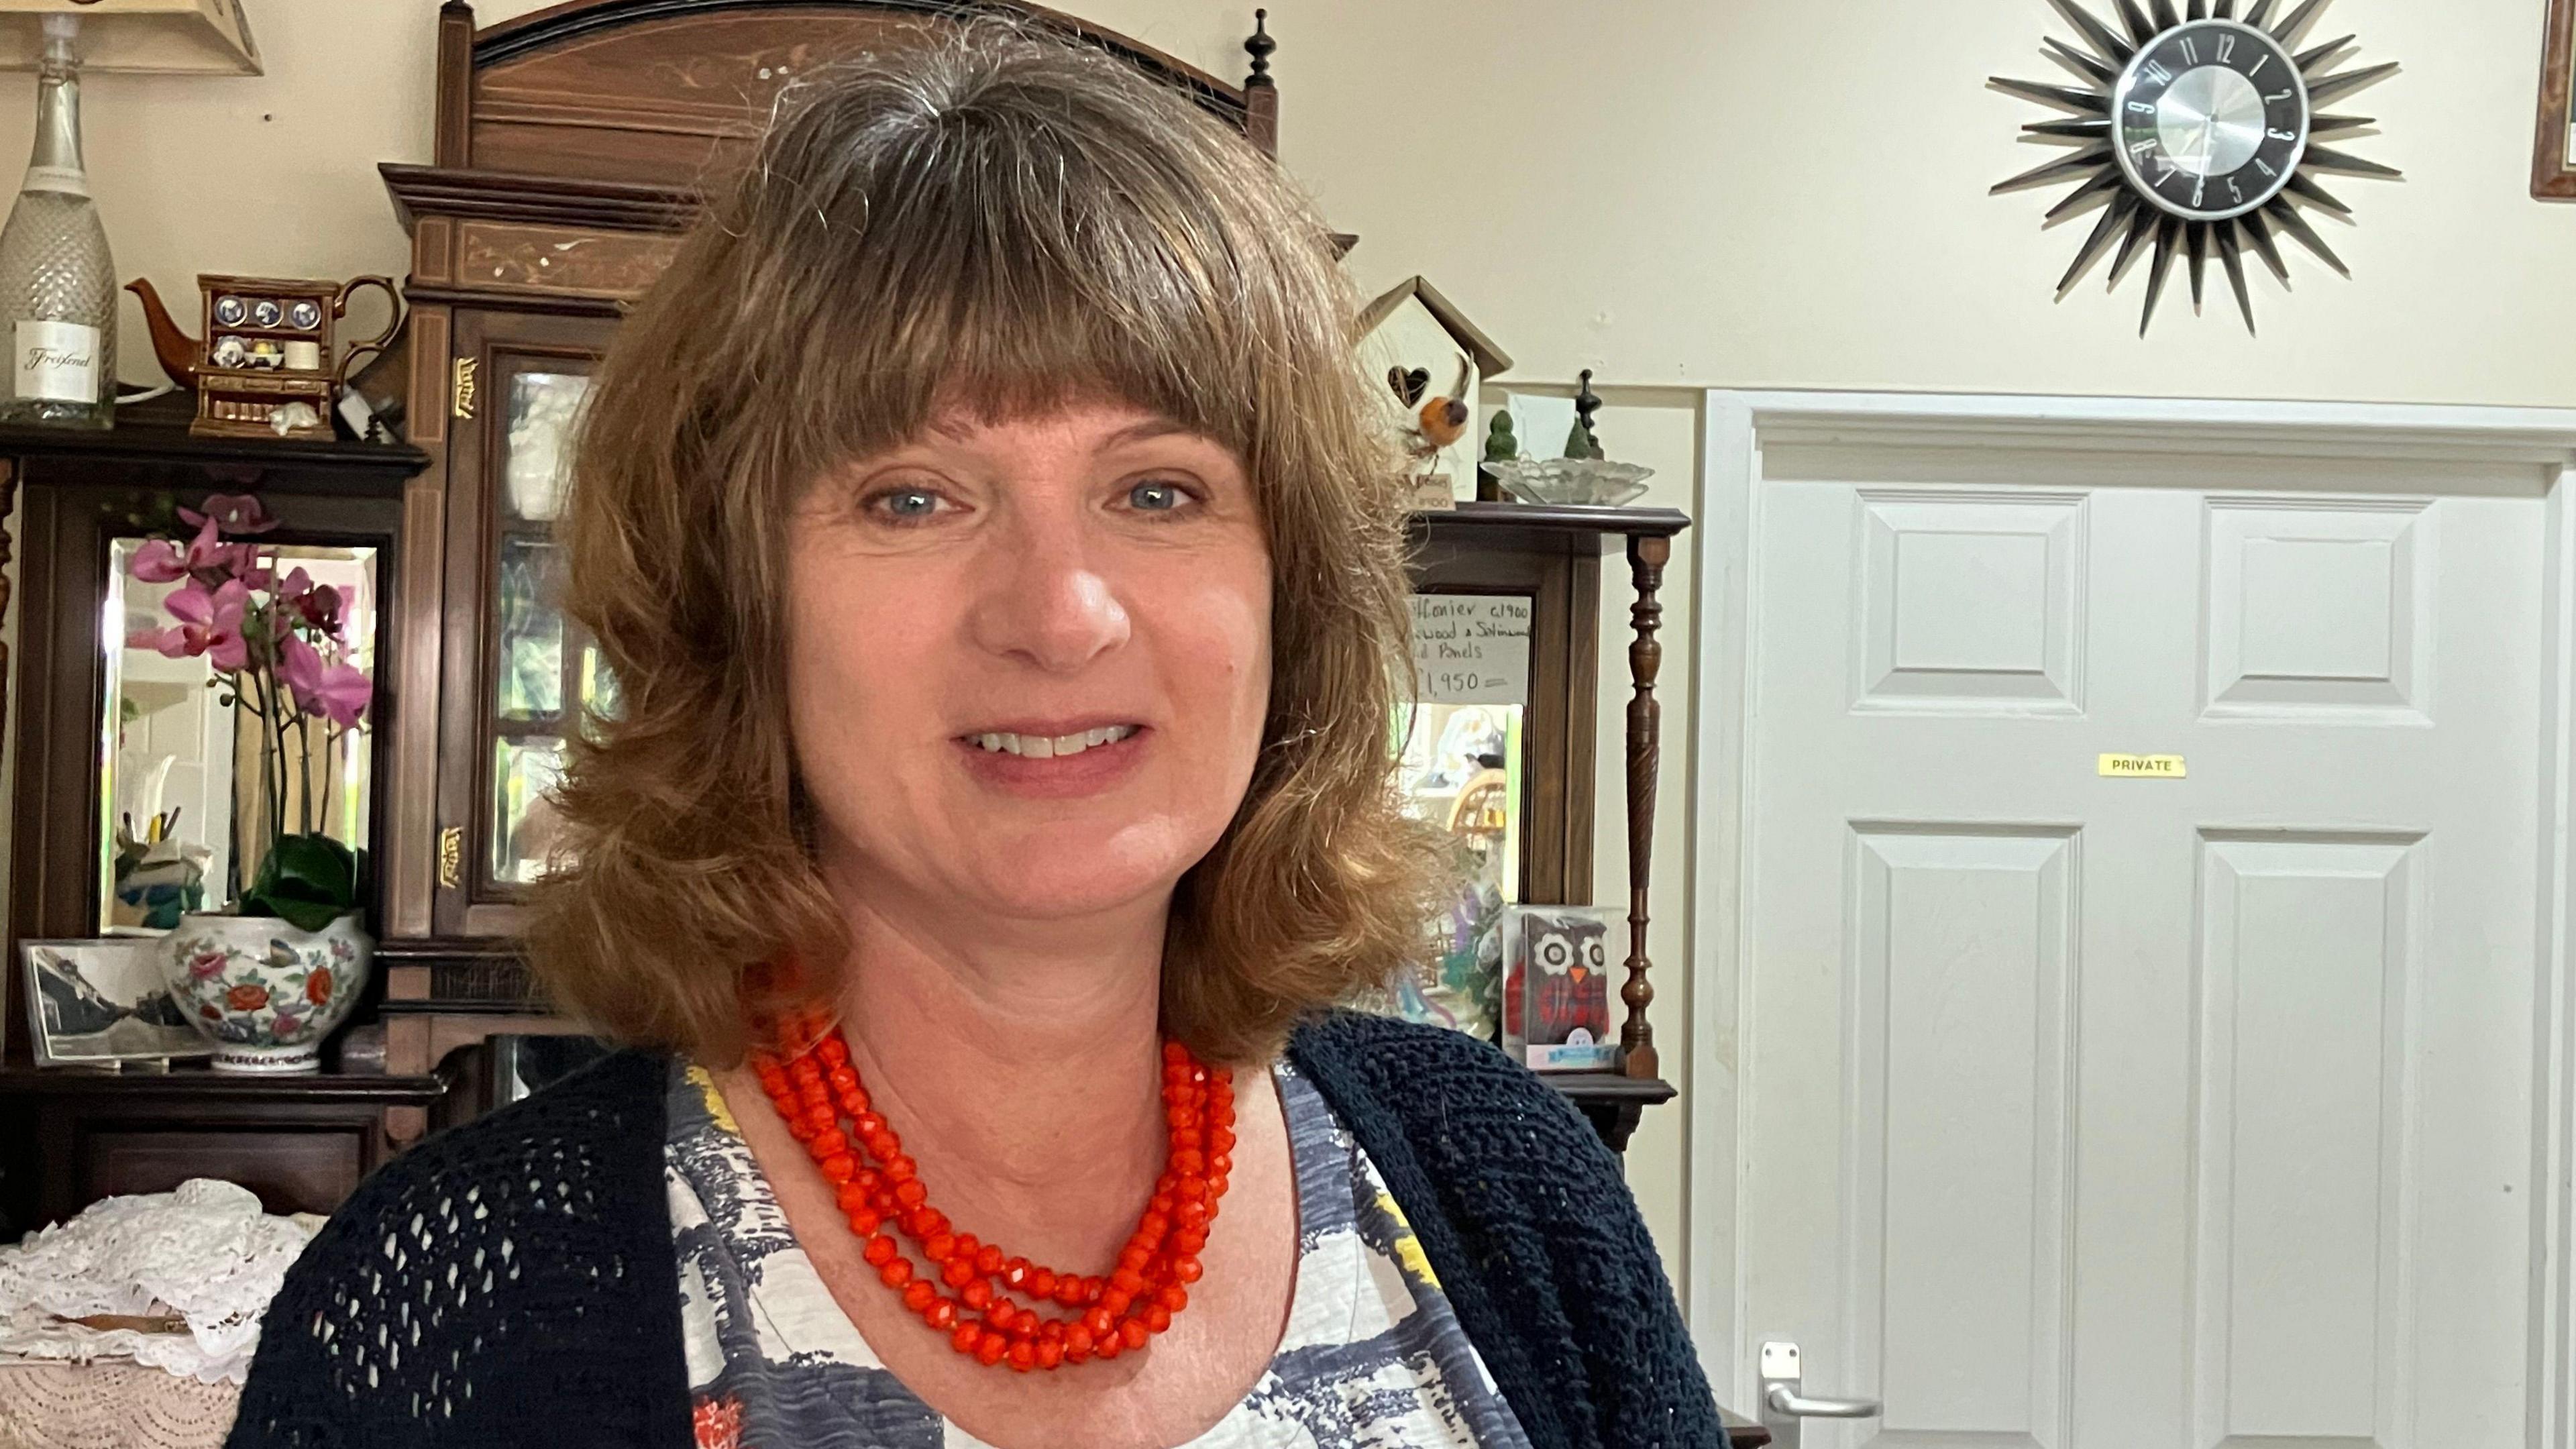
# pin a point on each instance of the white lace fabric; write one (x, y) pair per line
(206, 1254)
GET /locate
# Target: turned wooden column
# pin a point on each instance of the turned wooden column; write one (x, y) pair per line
(1646, 558)
(8, 504)
(1260, 94)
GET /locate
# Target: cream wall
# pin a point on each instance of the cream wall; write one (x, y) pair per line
(1678, 193)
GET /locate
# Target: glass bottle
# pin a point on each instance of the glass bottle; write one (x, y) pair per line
(57, 283)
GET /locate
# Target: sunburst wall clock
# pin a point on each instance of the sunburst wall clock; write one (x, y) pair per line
(2197, 132)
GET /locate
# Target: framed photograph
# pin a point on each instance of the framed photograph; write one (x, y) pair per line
(102, 1002)
(2553, 156)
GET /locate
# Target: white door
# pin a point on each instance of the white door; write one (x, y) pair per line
(2089, 1112)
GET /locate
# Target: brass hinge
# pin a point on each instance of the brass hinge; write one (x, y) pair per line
(466, 367)
(451, 857)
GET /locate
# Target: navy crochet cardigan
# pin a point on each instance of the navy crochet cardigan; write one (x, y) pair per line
(513, 1282)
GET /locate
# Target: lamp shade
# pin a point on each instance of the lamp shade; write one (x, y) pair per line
(168, 37)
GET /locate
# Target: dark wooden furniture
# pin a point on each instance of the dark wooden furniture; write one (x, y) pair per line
(78, 1136)
(569, 147)
(1552, 556)
(2553, 160)
(69, 1135)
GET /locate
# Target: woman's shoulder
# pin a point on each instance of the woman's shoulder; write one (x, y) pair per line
(546, 1154)
(470, 1262)
(1429, 1075)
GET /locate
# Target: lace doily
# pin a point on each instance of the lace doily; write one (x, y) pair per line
(207, 1256)
(111, 1406)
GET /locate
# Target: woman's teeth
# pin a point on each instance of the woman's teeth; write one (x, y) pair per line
(1047, 747)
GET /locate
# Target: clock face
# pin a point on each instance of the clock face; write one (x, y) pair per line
(2212, 119)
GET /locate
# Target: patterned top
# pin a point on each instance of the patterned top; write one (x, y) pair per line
(1373, 1356)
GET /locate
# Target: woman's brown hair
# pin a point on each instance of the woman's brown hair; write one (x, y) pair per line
(1004, 222)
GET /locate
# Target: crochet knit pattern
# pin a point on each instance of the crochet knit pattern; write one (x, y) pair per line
(512, 1282)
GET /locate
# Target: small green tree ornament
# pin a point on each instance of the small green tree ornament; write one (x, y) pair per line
(1500, 444)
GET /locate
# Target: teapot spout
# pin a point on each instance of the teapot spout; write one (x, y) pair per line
(179, 352)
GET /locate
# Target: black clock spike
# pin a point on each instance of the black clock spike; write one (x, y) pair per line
(2265, 247)
(2114, 217)
(2108, 180)
(2302, 184)
(2334, 160)
(2079, 62)
(2223, 10)
(2337, 125)
(2098, 154)
(2096, 34)
(2197, 234)
(2160, 268)
(2229, 258)
(2295, 24)
(2322, 91)
(2258, 12)
(2067, 96)
(2309, 60)
(2136, 19)
(2142, 224)
(2297, 226)
(2165, 17)
(2087, 128)
(2199, 10)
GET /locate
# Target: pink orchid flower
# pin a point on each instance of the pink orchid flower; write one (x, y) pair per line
(232, 512)
(209, 624)
(159, 561)
(338, 692)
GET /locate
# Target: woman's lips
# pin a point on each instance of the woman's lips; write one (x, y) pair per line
(1036, 766)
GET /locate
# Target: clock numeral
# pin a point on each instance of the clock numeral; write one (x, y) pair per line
(2156, 73)
(2167, 168)
(2190, 51)
(2143, 108)
(2276, 100)
(2232, 193)
(2262, 166)
(2260, 61)
(2198, 189)
(2143, 147)
(2278, 134)
(2226, 48)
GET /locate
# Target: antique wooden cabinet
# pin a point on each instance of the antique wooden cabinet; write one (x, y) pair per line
(572, 146)
(570, 151)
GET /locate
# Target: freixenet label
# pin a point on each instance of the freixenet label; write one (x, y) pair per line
(57, 361)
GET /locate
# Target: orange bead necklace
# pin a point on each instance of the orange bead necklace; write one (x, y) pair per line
(817, 1091)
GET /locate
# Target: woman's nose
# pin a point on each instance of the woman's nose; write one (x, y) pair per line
(1045, 600)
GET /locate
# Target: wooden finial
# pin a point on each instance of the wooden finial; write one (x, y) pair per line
(1586, 403)
(1259, 47)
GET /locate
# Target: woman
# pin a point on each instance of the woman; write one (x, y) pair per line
(1004, 583)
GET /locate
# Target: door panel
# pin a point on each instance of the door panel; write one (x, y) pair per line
(2086, 1112)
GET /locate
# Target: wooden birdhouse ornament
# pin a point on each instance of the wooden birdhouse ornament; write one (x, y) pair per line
(1426, 364)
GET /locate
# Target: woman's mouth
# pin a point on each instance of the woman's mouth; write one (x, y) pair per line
(1048, 747)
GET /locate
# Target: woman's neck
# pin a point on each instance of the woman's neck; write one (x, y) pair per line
(1020, 1065)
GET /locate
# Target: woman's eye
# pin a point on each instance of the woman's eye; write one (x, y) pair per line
(905, 505)
(1157, 497)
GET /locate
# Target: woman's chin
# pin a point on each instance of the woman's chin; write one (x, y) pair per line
(1067, 879)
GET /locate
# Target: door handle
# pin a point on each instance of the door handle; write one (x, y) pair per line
(1784, 1407)
(1797, 1406)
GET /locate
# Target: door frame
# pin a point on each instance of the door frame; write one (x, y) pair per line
(2485, 444)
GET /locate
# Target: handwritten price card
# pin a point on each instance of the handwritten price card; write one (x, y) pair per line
(1472, 648)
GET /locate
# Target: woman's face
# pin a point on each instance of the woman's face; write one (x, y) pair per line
(1029, 662)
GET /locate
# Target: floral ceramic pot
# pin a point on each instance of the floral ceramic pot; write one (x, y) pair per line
(263, 991)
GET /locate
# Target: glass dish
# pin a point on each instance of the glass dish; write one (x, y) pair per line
(1589, 481)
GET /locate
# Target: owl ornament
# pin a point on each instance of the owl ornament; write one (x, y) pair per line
(1556, 988)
